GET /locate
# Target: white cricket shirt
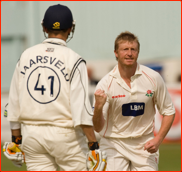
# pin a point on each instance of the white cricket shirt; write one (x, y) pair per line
(129, 112)
(50, 86)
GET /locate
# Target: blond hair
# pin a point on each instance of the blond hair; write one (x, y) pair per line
(125, 36)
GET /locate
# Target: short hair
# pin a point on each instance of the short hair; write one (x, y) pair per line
(126, 36)
(56, 32)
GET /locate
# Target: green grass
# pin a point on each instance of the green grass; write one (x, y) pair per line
(169, 160)
(170, 157)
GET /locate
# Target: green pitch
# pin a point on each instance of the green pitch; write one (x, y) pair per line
(170, 159)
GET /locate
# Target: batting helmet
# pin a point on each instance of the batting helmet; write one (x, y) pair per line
(58, 17)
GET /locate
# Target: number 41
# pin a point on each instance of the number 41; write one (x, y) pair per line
(42, 89)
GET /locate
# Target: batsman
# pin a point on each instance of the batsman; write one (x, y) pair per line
(48, 109)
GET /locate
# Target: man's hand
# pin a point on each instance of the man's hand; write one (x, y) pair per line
(98, 118)
(14, 153)
(100, 98)
(152, 145)
(96, 159)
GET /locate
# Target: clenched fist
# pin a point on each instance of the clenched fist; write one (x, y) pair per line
(100, 98)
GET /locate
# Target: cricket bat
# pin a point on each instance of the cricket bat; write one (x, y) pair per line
(12, 146)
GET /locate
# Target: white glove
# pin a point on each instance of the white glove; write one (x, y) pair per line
(17, 163)
(15, 154)
(96, 159)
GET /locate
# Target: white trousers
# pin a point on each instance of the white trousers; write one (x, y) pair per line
(47, 147)
(128, 154)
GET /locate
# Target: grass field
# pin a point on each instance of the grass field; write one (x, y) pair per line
(170, 159)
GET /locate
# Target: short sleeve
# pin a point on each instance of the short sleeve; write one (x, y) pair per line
(162, 98)
(13, 106)
(80, 105)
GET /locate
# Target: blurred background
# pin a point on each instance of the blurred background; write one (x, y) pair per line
(156, 23)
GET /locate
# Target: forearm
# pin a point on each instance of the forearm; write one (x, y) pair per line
(16, 132)
(165, 127)
(16, 136)
(15, 128)
(98, 119)
(153, 145)
(89, 132)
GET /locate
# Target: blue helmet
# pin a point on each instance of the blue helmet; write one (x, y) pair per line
(58, 17)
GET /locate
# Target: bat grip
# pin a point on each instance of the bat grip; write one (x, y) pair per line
(12, 146)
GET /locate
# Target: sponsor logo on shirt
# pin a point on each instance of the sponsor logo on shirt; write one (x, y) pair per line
(50, 50)
(133, 109)
(5, 113)
(118, 96)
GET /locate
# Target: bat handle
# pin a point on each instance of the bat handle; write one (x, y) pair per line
(12, 146)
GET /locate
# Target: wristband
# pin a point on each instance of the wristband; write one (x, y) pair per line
(93, 145)
(17, 139)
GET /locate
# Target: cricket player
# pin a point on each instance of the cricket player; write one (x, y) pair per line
(124, 110)
(49, 109)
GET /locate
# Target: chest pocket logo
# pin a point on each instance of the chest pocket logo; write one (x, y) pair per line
(133, 109)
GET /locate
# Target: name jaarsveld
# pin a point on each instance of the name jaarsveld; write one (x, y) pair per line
(46, 59)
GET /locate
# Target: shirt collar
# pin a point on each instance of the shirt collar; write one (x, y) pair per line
(138, 70)
(115, 72)
(55, 41)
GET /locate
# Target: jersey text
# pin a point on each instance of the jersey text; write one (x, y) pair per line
(46, 59)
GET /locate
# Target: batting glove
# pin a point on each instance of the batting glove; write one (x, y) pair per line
(13, 151)
(96, 159)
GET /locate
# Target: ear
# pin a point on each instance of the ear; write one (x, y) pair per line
(44, 29)
(116, 53)
(69, 30)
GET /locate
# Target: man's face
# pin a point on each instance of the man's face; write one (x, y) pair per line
(127, 53)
